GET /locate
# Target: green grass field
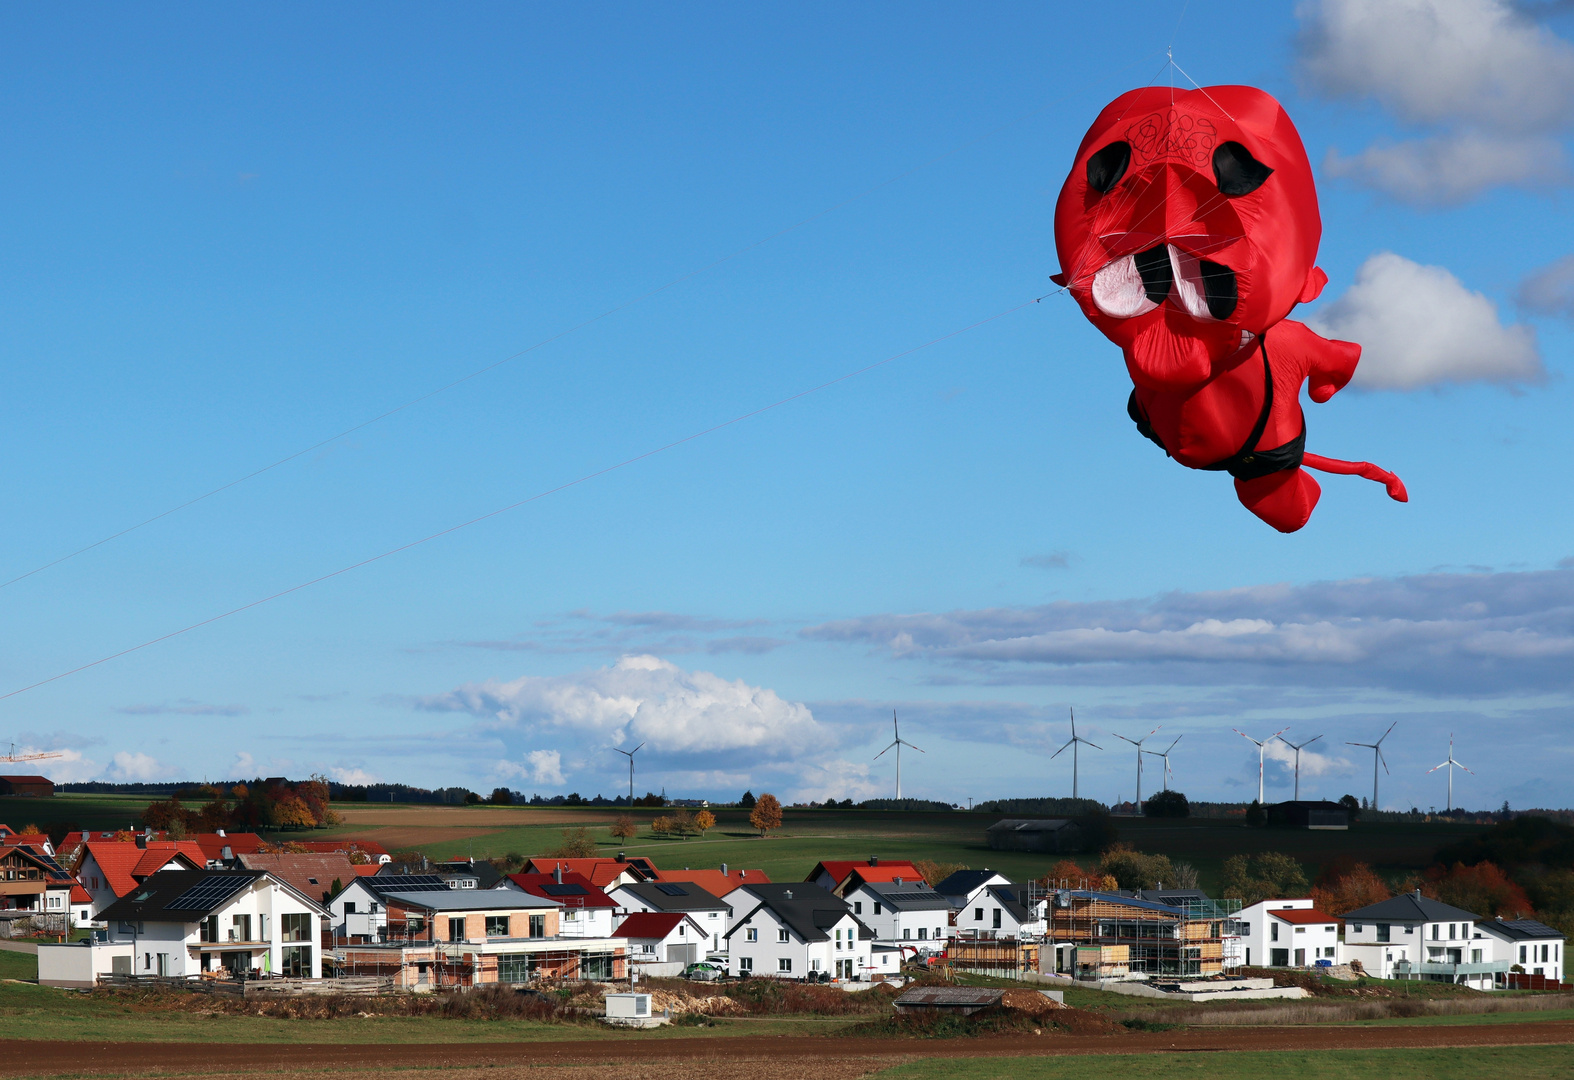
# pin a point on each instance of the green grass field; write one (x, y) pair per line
(810, 835)
(18, 965)
(1520, 1062)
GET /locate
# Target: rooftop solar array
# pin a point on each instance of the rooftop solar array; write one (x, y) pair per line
(565, 890)
(672, 888)
(914, 897)
(209, 892)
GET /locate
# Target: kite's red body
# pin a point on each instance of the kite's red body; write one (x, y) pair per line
(1187, 230)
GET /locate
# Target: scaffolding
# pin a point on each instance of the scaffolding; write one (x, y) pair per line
(1184, 939)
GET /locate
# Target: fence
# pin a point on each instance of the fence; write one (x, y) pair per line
(1519, 981)
(13, 925)
(252, 988)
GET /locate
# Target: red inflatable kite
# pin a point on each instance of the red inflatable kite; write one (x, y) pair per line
(1187, 230)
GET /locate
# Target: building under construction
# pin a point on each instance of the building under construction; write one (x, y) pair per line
(1107, 935)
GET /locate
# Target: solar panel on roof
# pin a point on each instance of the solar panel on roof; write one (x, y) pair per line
(208, 892)
(910, 897)
(672, 888)
(564, 890)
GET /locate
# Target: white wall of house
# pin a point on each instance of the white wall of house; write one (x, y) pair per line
(984, 913)
(685, 943)
(1379, 945)
(92, 878)
(585, 922)
(1267, 941)
(714, 920)
(896, 925)
(1538, 956)
(763, 946)
(250, 925)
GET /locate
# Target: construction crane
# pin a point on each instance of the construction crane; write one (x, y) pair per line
(42, 756)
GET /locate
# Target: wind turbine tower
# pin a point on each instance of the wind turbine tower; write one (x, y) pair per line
(1297, 749)
(1260, 746)
(1138, 744)
(1168, 774)
(1450, 765)
(1377, 756)
(630, 755)
(1075, 741)
(898, 742)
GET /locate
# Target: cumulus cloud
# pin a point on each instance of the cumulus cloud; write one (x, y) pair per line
(1419, 326)
(1431, 633)
(130, 768)
(644, 699)
(1493, 83)
(1314, 762)
(1445, 170)
(544, 767)
(244, 765)
(358, 777)
(1550, 290)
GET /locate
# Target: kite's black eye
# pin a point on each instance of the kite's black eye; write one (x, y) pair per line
(1237, 172)
(1106, 167)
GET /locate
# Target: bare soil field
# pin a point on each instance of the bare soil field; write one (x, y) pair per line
(479, 817)
(395, 838)
(714, 1057)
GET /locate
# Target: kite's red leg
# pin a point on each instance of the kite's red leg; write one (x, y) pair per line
(1284, 499)
(1395, 486)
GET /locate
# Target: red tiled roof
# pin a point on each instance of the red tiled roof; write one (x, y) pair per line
(536, 885)
(838, 869)
(79, 895)
(714, 881)
(18, 839)
(601, 872)
(27, 779)
(312, 873)
(1301, 915)
(213, 845)
(649, 924)
(121, 863)
(366, 869)
(886, 873)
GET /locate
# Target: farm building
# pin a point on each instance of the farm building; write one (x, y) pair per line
(1049, 835)
(32, 787)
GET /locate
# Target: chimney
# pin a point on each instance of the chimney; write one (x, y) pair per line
(723, 869)
(621, 858)
(557, 873)
(787, 895)
(1418, 893)
(874, 860)
(221, 832)
(142, 838)
(227, 853)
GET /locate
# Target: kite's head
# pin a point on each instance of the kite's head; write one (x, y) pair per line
(1188, 226)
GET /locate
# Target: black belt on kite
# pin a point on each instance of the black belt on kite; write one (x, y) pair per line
(1247, 463)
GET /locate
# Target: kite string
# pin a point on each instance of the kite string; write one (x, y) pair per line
(562, 333)
(586, 478)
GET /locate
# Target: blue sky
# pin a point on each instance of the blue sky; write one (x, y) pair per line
(231, 234)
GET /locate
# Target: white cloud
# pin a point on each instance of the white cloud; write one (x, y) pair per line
(1445, 170)
(1418, 326)
(1313, 763)
(544, 767)
(1491, 82)
(645, 699)
(133, 767)
(68, 768)
(354, 776)
(244, 765)
(1550, 290)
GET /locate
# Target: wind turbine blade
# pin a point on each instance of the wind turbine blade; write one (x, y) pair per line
(1384, 760)
(882, 753)
(1062, 750)
(1472, 772)
(1095, 746)
(910, 746)
(1434, 768)
(637, 749)
(1178, 738)
(1245, 736)
(1386, 733)
(1309, 742)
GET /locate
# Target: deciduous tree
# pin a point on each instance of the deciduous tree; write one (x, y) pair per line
(624, 828)
(1268, 875)
(704, 821)
(767, 813)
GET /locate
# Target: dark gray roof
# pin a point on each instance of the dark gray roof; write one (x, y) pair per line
(1519, 929)
(800, 890)
(673, 896)
(1410, 907)
(181, 895)
(1014, 899)
(964, 882)
(1122, 898)
(487, 876)
(905, 897)
(812, 919)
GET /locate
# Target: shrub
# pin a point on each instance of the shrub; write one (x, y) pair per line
(1267, 875)
(1167, 804)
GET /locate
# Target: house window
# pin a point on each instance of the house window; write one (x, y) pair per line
(978, 914)
(538, 926)
(497, 926)
(295, 961)
(240, 928)
(207, 929)
(751, 934)
(858, 907)
(1475, 956)
(1300, 929)
(295, 927)
(1383, 932)
(906, 933)
(513, 968)
(997, 920)
(1273, 931)
(456, 929)
(1451, 928)
(349, 907)
(745, 963)
(877, 907)
(781, 935)
(784, 964)
(1357, 927)
(1522, 954)
(1437, 929)
(923, 933)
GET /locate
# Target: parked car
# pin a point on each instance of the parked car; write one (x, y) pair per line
(704, 972)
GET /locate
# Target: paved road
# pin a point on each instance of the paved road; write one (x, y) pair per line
(19, 946)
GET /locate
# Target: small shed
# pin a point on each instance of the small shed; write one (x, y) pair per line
(1309, 814)
(1035, 834)
(631, 1010)
(953, 1000)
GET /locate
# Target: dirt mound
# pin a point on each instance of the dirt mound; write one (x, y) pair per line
(1030, 1001)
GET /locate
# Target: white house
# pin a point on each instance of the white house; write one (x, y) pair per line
(800, 937)
(1001, 910)
(1533, 947)
(664, 937)
(1414, 936)
(708, 910)
(110, 869)
(185, 922)
(906, 913)
(587, 911)
(1288, 933)
(359, 912)
(963, 884)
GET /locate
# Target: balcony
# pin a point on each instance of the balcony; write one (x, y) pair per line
(1404, 969)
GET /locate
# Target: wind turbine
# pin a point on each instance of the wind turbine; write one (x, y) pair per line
(1169, 777)
(1138, 744)
(1377, 755)
(897, 742)
(1074, 742)
(630, 755)
(1260, 747)
(1297, 750)
(1451, 765)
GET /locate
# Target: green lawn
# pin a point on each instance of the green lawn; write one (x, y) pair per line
(18, 965)
(1520, 1062)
